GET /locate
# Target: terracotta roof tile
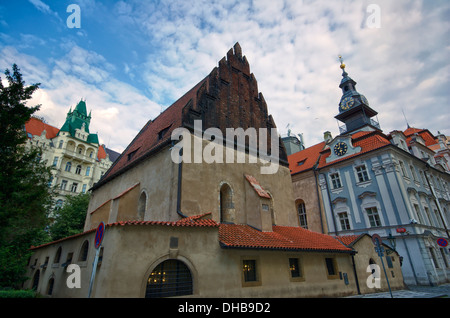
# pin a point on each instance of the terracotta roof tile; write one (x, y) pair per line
(282, 238)
(149, 138)
(305, 159)
(368, 141)
(426, 135)
(348, 240)
(201, 220)
(258, 188)
(35, 127)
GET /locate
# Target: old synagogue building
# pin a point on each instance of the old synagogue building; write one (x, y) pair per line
(205, 228)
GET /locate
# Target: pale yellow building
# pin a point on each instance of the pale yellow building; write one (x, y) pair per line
(77, 159)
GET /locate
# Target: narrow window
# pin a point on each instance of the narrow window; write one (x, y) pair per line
(249, 269)
(331, 267)
(58, 255)
(343, 219)
(84, 252)
(63, 184)
(51, 282)
(335, 180)
(361, 172)
(74, 187)
(142, 205)
(374, 218)
(88, 171)
(302, 214)
(294, 268)
(78, 169)
(68, 166)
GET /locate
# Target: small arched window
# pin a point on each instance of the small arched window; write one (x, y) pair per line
(36, 280)
(301, 210)
(68, 166)
(51, 282)
(78, 169)
(142, 206)
(226, 204)
(58, 255)
(84, 251)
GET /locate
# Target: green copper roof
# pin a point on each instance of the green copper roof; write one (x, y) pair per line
(78, 118)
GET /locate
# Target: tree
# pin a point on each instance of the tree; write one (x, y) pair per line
(25, 197)
(70, 218)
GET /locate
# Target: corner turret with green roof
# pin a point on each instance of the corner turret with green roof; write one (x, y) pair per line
(79, 119)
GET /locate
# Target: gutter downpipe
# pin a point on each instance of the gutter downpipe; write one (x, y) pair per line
(180, 174)
(336, 233)
(315, 171)
(331, 206)
(354, 272)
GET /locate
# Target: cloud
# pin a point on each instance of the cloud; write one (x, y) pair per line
(43, 7)
(292, 47)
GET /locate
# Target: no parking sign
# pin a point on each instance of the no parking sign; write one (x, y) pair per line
(99, 235)
(442, 242)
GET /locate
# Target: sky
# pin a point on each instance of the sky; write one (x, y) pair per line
(132, 59)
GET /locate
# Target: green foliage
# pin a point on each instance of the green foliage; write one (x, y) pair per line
(25, 197)
(17, 293)
(70, 218)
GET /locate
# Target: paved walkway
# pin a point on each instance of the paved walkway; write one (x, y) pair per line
(413, 292)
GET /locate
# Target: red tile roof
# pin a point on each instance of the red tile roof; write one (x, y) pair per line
(255, 184)
(367, 140)
(149, 138)
(426, 135)
(305, 159)
(36, 126)
(192, 221)
(348, 240)
(282, 238)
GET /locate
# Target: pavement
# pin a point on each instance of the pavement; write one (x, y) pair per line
(441, 291)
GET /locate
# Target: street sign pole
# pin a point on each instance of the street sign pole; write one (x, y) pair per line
(97, 243)
(379, 249)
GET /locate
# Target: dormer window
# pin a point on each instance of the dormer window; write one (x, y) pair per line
(131, 154)
(162, 133)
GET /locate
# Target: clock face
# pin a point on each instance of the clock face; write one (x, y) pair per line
(364, 100)
(347, 102)
(340, 148)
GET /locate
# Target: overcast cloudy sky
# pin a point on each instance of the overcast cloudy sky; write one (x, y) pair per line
(132, 59)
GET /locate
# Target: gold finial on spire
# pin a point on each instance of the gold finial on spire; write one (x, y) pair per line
(342, 62)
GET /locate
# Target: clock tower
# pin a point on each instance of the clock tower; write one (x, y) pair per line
(354, 109)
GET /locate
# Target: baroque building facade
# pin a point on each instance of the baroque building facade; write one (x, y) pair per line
(77, 159)
(394, 185)
(200, 228)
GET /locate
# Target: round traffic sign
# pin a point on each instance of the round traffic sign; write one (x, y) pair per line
(376, 239)
(99, 234)
(442, 242)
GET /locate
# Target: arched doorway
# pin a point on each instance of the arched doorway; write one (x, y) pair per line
(170, 278)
